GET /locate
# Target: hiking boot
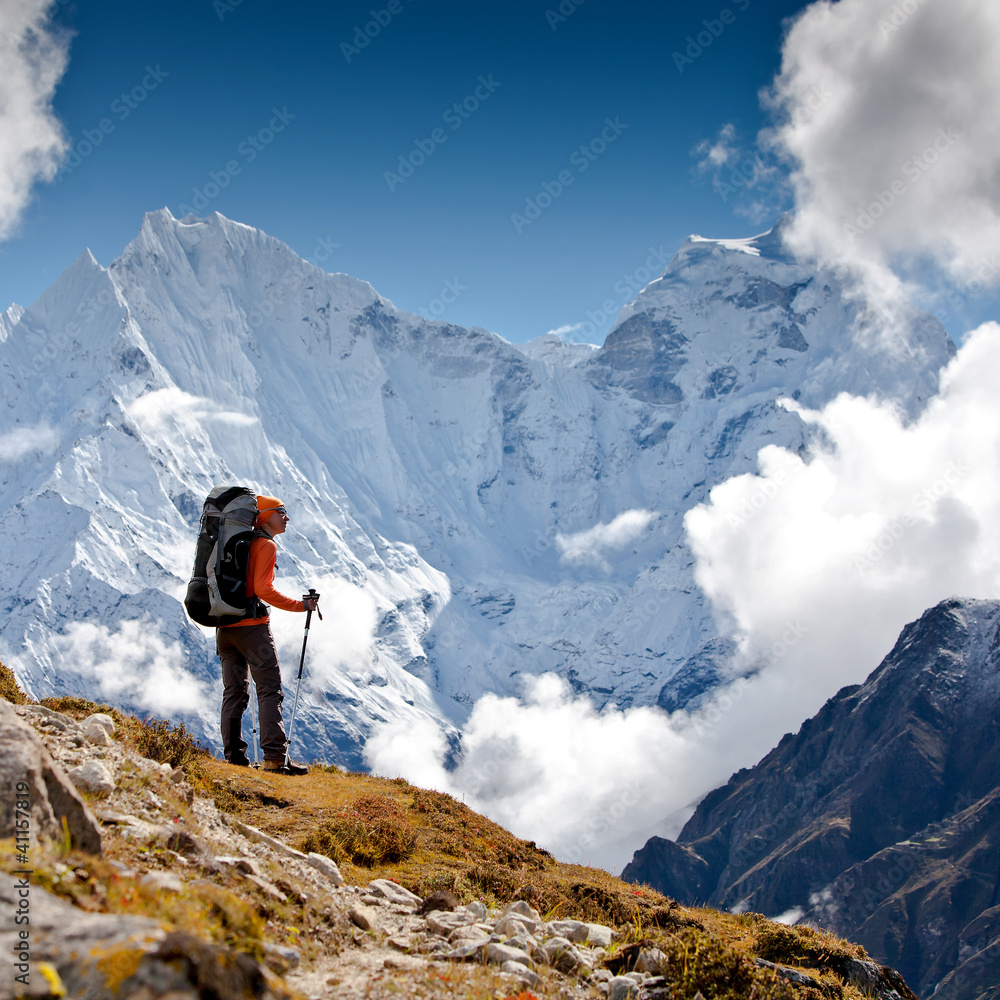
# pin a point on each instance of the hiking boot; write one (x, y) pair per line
(280, 767)
(240, 760)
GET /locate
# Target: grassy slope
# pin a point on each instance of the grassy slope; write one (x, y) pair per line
(386, 828)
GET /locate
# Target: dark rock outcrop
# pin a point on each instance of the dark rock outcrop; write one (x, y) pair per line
(879, 820)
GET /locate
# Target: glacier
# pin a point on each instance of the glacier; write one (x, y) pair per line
(474, 511)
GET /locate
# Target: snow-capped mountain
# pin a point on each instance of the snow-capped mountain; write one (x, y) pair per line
(472, 510)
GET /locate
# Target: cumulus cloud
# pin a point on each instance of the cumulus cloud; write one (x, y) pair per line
(592, 546)
(133, 665)
(23, 441)
(34, 56)
(844, 547)
(888, 115)
(553, 768)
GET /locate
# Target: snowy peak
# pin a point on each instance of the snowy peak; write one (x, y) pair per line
(479, 511)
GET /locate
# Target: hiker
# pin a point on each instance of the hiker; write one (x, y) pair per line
(248, 643)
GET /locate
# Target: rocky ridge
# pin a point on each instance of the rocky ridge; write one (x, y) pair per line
(879, 820)
(182, 900)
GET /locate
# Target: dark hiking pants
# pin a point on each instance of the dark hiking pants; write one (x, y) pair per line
(241, 647)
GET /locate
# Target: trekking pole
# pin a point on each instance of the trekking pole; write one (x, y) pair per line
(253, 723)
(311, 596)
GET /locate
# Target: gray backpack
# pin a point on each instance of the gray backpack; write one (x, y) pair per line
(217, 592)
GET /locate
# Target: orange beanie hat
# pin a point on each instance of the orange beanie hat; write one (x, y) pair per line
(266, 506)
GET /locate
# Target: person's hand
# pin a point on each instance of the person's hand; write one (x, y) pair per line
(310, 603)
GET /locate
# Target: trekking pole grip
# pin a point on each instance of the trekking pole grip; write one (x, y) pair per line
(313, 595)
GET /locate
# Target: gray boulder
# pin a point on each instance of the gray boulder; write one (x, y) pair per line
(29, 775)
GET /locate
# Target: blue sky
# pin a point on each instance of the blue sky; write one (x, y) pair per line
(279, 117)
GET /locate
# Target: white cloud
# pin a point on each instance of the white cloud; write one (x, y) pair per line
(23, 441)
(554, 769)
(162, 411)
(890, 117)
(34, 56)
(132, 665)
(723, 151)
(593, 545)
(564, 330)
(344, 638)
(846, 546)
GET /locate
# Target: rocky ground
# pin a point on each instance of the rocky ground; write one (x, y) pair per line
(118, 880)
(161, 842)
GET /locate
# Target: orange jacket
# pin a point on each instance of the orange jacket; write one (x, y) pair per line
(260, 581)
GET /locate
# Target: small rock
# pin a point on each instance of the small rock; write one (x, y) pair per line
(497, 954)
(268, 888)
(519, 908)
(327, 866)
(394, 892)
(470, 933)
(523, 973)
(561, 955)
(651, 960)
(621, 987)
(260, 837)
(399, 942)
(362, 917)
(94, 732)
(93, 777)
(57, 719)
(478, 909)
(573, 930)
(280, 958)
(599, 936)
(102, 719)
(472, 950)
(510, 927)
(184, 843)
(248, 866)
(442, 922)
(162, 881)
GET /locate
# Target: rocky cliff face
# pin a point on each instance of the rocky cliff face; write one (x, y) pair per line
(879, 819)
